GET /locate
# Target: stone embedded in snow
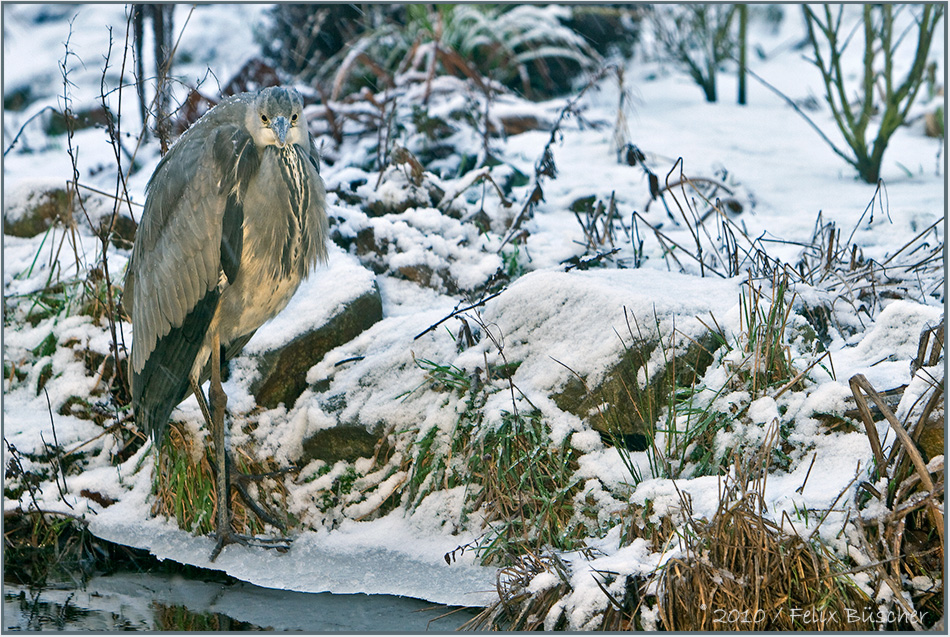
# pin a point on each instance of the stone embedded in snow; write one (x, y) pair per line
(33, 208)
(430, 248)
(545, 322)
(897, 331)
(604, 326)
(332, 307)
(343, 442)
(404, 185)
(283, 371)
(625, 405)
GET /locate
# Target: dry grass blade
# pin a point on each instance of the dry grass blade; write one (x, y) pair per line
(859, 382)
(865, 413)
(924, 359)
(905, 536)
(801, 375)
(184, 486)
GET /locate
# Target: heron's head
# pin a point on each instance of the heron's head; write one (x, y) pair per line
(276, 118)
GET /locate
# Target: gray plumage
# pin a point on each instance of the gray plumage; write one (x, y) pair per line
(234, 220)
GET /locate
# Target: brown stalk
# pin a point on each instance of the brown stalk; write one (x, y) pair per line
(858, 381)
(868, 421)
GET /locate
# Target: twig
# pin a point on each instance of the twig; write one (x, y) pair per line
(914, 240)
(456, 312)
(807, 473)
(798, 110)
(582, 262)
(23, 127)
(55, 455)
(857, 474)
(108, 194)
(160, 74)
(114, 127)
(545, 165)
(104, 432)
(351, 359)
(83, 522)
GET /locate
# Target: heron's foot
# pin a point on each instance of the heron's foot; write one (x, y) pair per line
(239, 482)
(265, 516)
(257, 477)
(281, 544)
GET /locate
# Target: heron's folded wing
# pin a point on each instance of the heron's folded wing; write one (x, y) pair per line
(316, 216)
(191, 231)
(190, 241)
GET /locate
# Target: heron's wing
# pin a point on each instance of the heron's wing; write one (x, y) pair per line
(188, 247)
(164, 380)
(316, 215)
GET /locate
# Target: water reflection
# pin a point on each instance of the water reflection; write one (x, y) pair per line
(167, 602)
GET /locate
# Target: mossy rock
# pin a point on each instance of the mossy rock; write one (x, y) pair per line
(41, 209)
(283, 371)
(122, 234)
(18, 99)
(623, 411)
(344, 442)
(58, 124)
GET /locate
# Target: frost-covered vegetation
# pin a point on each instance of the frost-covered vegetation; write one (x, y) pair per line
(582, 332)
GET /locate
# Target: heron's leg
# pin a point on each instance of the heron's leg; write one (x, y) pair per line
(219, 401)
(238, 479)
(218, 406)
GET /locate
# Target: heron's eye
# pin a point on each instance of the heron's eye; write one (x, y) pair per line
(264, 118)
(293, 117)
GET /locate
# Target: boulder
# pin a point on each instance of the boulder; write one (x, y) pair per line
(31, 206)
(332, 306)
(283, 371)
(932, 436)
(622, 407)
(343, 442)
(36, 210)
(554, 329)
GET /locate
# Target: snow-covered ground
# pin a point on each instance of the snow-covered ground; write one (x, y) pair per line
(549, 320)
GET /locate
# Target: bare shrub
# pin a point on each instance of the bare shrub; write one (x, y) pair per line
(698, 38)
(880, 91)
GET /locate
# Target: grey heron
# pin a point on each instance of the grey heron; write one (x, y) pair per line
(234, 220)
